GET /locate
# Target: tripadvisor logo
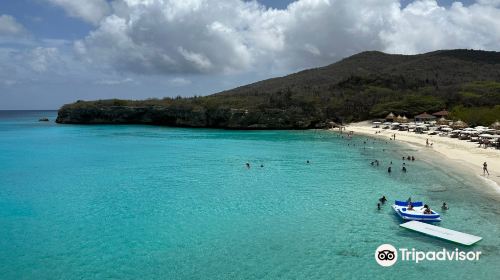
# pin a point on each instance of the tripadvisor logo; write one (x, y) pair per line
(387, 255)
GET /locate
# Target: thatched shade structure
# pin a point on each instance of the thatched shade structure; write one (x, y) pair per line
(495, 125)
(459, 124)
(404, 119)
(424, 117)
(398, 118)
(443, 121)
(389, 117)
(442, 113)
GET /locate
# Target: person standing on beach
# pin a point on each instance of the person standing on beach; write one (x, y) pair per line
(427, 142)
(485, 169)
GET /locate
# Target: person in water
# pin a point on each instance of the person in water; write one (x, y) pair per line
(378, 206)
(307, 162)
(404, 169)
(445, 206)
(389, 170)
(412, 158)
(248, 165)
(382, 199)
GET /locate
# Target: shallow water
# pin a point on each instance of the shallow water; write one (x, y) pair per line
(129, 202)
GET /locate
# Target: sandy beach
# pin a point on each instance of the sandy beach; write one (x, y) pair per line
(463, 154)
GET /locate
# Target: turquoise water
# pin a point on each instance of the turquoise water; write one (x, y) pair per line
(145, 202)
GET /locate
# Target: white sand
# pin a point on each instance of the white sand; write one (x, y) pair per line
(461, 152)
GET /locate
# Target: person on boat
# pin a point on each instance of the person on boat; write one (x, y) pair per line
(408, 200)
(383, 199)
(426, 206)
(427, 211)
(410, 206)
(445, 206)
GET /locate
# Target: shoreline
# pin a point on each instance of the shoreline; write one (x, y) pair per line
(464, 155)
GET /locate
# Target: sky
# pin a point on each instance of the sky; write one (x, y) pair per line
(54, 52)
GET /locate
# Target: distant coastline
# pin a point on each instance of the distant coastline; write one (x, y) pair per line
(363, 86)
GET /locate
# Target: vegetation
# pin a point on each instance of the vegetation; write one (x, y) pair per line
(366, 85)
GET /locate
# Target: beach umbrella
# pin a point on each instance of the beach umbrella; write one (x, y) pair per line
(390, 116)
(495, 125)
(443, 121)
(441, 113)
(459, 124)
(446, 129)
(376, 122)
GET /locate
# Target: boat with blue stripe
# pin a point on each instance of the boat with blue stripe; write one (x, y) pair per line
(415, 212)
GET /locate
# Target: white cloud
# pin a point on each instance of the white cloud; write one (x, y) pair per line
(113, 82)
(227, 36)
(424, 26)
(41, 58)
(91, 11)
(489, 2)
(10, 27)
(179, 81)
(167, 38)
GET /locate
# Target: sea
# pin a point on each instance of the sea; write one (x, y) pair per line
(153, 202)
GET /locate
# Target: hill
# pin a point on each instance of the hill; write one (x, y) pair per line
(365, 85)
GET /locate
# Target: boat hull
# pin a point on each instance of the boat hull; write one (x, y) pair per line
(417, 214)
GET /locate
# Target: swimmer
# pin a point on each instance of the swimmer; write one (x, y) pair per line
(445, 206)
(382, 199)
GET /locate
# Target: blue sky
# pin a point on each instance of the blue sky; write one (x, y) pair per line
(54, 52)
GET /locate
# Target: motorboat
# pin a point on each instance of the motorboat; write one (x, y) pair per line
(416, 213)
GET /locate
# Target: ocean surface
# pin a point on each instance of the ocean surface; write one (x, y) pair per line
(148, 202)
